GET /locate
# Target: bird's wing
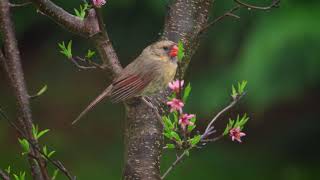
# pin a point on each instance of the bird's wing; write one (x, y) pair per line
(130, 85)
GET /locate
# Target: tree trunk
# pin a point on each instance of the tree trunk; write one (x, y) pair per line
(143, 131)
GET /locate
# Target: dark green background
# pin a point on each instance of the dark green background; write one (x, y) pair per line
(276, 51)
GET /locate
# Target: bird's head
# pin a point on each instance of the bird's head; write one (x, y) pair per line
(165, 50)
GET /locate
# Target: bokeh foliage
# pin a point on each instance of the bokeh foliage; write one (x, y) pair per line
(277, 52)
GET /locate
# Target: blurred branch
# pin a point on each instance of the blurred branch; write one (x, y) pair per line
(275, 3)
(240, 4)
(4, 175)
(16, 78)
(178, 160)
(218, 19)
(56, 163)
(19, 5)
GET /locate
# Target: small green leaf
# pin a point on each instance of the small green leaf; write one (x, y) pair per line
(180, 50)
(41, 133)
(187, 152)
(66, 51)
(25, 146)
(170, 146)
(90, 54)
(21, 176)
(175, 136)
(55, 173)
(195, 140)
(186, 93)
(167, 134)
(234, 93)
(8, 170)
(191, 127)
(51, 153)
(45, 150)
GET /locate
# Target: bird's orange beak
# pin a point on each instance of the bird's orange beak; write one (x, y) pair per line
(174, 51)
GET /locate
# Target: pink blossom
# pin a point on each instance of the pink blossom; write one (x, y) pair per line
(98, 3)
(176, 85)
(236, 134)
(184, 120)
(175, 105)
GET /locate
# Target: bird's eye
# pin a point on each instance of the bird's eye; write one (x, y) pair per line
(165, 48)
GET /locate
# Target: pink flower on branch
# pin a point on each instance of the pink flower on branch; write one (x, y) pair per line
(176, 85)
(185, 120)
(175, 105)
(98, 3)
(236, 134)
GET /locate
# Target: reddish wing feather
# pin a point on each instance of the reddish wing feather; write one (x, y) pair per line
(128, 87)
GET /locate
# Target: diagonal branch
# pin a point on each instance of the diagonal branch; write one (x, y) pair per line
(86, 28)
(4, 175)
(16, 77)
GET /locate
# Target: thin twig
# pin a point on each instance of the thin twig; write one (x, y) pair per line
(179, 158)
(56, 163)
(275, 3)
(240, 4)
(19, 5)
(208, 130)
(229, 13)
(4, 175)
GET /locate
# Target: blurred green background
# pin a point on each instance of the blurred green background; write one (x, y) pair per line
(276, 51)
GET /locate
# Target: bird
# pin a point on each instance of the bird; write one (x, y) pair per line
(147, 75)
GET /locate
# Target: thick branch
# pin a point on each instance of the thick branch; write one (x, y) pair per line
(86, 28)
(16, 77)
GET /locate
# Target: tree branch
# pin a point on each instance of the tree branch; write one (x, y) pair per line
(87, 27)
(275, 3)
(16, 77)
(4, 175)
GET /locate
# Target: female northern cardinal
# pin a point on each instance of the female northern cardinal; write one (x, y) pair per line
(146, 75)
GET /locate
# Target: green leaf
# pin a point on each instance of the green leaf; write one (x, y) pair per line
(234, 93)
(167, 123)
(168, 135)
(191, 127)
(8, 170)
(81, 13)
(195, 140)
(170, 146)
(187, 152)
(242, 86)
(229, 126)
(186, 93)
(175, 136)
(51, 153)
(90, 54)
(25, 146)
(45, 150)
(21, 176)
(41, 133)
(180, 50)
(66, 51)
(35, 130)
(54, 175)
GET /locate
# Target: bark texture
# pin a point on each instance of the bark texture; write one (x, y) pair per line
(143, 131)
(12, 64)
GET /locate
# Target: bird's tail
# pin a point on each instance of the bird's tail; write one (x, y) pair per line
(103, 95)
